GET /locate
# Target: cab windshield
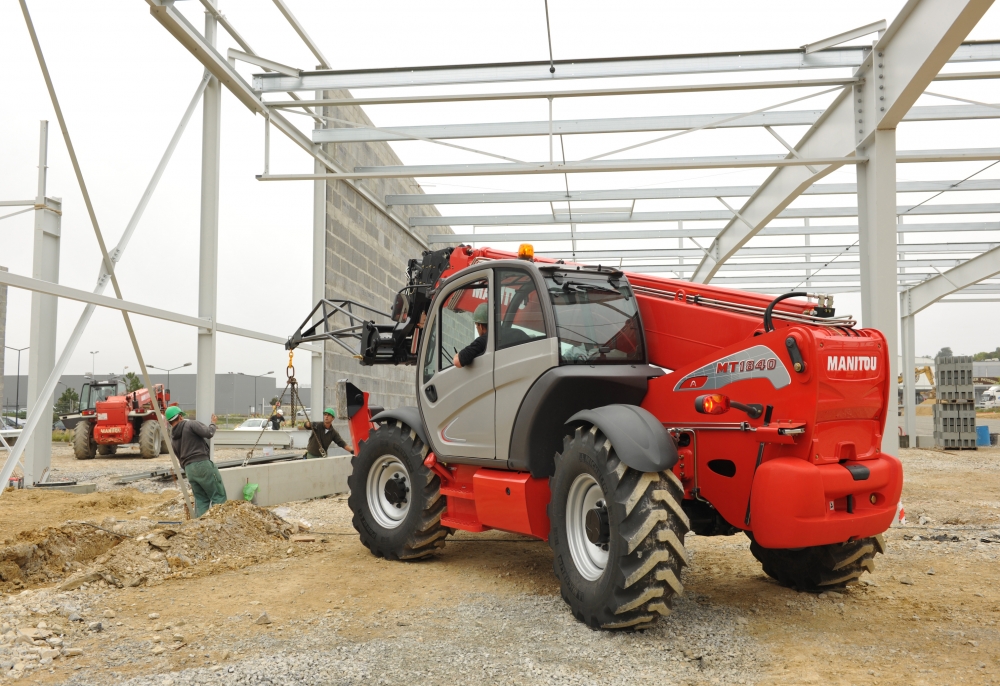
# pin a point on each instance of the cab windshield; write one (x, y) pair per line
(597, 319)
(93, 394)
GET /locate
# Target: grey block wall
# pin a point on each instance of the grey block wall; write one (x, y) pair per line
(366, 255)
(3, 328)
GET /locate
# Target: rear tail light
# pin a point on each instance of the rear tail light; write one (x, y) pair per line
(715, 403)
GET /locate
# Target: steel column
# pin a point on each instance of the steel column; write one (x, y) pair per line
(908, 335)
(877, 248)
(208, 257)
(318, 376)
(44, 266)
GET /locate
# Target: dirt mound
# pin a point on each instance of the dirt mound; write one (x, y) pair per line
(232, 535)
(41, 557)
(37, 508)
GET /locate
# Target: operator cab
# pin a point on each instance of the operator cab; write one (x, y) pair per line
(542, 318)
(95, 392)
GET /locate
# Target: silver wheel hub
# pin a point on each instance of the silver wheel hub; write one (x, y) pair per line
(388, 491)
(585, 495)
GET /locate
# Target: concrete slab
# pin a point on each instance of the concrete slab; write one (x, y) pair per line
(278, 439)
(925, 442)
(284, 482)
(82, 489)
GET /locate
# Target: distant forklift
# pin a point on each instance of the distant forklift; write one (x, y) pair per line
(109, 417)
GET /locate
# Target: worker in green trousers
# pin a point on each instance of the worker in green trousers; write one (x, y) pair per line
(190, 441)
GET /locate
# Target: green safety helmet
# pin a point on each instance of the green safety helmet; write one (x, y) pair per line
(330, 412)
(481, 315)
(172, 412)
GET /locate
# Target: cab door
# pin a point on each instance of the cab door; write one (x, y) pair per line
(458, 404)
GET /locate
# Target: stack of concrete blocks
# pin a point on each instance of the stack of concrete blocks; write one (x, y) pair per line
(366, 256)
(955, 409)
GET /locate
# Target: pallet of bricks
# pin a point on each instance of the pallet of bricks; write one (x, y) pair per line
(955, 409)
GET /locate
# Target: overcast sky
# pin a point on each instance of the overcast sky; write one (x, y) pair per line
(124, 82)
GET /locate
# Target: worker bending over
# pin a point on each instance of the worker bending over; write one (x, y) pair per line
(322, 436)
(465, 356)
(190, 440)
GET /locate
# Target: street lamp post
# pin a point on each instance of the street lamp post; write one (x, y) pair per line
(164, 369)
(17, 400)
(93, 354)
(255, 377)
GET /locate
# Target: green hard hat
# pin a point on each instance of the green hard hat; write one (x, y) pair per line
(330, 412)
(172, 412)
(481, 315)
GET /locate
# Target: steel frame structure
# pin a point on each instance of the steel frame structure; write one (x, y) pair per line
(876, 87)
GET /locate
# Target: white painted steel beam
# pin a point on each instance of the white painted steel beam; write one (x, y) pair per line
(845, 36)
(970, 272)
(847, 229)
(625, 124)
(58, 290)
(44, 313)
(258, 61)
(768, 251)
(672, 193)
(597, 216)
(842, 57)
(918, 42)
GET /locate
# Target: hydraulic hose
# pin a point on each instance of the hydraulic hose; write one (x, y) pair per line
(768, 324)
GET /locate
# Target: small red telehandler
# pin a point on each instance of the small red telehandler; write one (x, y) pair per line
(120, 419)
(609, 414)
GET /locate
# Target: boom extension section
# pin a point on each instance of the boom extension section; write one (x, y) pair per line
(393, 342)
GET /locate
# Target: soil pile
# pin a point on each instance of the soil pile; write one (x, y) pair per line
(230, 536)
(35, 508)
(40, 557)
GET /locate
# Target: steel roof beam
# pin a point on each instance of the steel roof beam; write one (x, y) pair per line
(846, 229)
(625, 217)
(967, 273)
(765, 251)
(672, 193)
(921, 39)
(842, 57)
(623, 125)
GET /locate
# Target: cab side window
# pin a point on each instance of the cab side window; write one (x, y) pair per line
(457, 327)
(519, 313)
(430, 350)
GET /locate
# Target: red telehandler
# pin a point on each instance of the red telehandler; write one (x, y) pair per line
(115, 420)
(609, 414)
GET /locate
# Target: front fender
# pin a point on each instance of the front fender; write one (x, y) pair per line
(407, 415)
(638, 437)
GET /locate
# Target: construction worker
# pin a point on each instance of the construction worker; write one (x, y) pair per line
(277, 417)
(465, 356)
(190, 441)
(322, 436)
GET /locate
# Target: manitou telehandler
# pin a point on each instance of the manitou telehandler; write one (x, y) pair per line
(114, 420)
(611, 413)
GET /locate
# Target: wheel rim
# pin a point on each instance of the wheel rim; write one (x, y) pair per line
(385, 469)
(585, 494)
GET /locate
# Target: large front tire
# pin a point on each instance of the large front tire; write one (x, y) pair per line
(84, 445)
(822, 567)
(150, 440)
(395, 499)
(628, 577)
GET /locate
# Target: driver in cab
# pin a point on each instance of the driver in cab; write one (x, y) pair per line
(465, 356)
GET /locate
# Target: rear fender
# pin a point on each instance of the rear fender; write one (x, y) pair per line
(638, 437)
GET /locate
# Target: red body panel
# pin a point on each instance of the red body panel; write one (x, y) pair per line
(802, 494)
(117, 416)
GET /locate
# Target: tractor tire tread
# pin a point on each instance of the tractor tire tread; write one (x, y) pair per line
(427, 535)
(84, 446)
(150, 441)
(819, 568)
(649, 531)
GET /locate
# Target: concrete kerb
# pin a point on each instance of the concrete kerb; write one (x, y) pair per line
(283, 482)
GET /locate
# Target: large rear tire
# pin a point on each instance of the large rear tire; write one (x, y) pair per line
(107, 449)
(395, 499)
(617, 535)
(149, 440)
(84, 446)
(819, 568)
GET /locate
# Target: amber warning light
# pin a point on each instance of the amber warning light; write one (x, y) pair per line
(526, 251)
(715, 403)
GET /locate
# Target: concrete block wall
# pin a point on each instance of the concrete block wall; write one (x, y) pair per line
(366, 256)
(3, 328)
